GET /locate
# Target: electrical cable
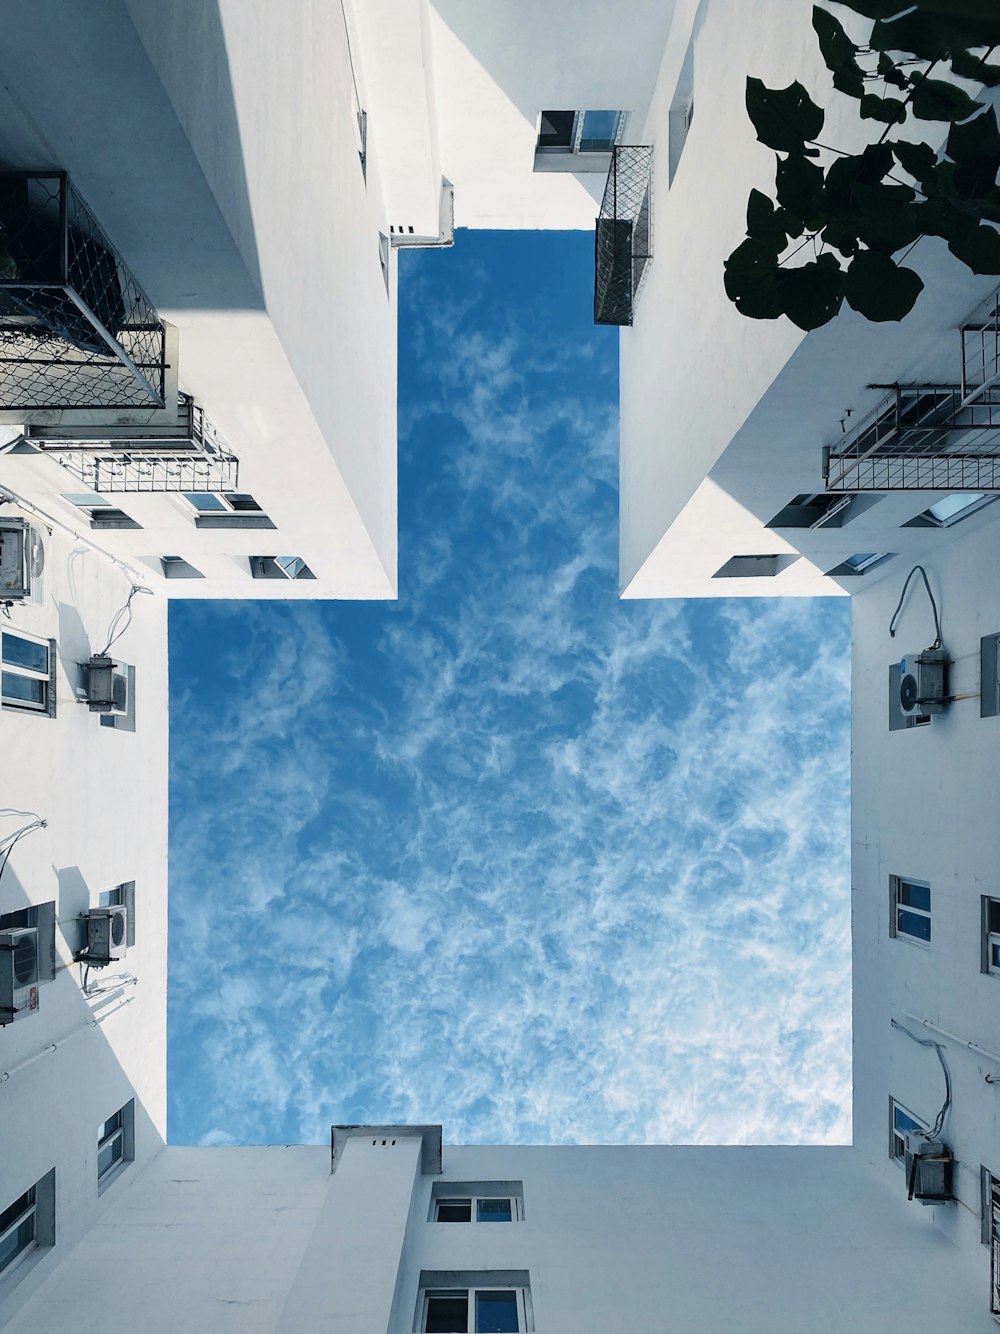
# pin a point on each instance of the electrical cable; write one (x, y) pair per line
(899, 605)
(14, 838)
(122, 618)
(937, 1129)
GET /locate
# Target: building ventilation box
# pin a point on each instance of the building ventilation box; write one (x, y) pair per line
(22, 558)
(929, 1169)
(107, 685)
(107, 935)
(923, 682)
(18, 974)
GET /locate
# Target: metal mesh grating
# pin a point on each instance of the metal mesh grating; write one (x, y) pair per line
(623, 240)
(932, 437)
(76, 329)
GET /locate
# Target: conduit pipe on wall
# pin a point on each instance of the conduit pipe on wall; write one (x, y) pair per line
(962, 1042)
(54, 1046)
(51, 521)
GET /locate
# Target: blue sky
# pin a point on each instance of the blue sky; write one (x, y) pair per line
(509, 853)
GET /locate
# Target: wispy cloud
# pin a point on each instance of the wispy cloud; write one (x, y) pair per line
(510, 853)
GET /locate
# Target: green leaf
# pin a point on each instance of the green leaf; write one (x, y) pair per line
(811, 295)
(975, 145)
(751, 280)
(879, 289)
(762, 223)
(794, 226)
(979, 249)
(800, 189)
(919, 160)
(866, 168)
(931, 31)
(933, 99)
(938, 217)
(889, 110)
(784, 118)
(842, 236)
(838, 51)
(873, 9)
(969, 66)
(968, 22)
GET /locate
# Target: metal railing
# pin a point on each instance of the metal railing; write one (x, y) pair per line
(76, 329)
(623, 238)
(191, 456)
(927, 437)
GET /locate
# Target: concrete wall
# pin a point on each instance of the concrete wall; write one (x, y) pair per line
(104, 794)
(216, 142)
(723, 418)
(924, 806)
(691, 1240)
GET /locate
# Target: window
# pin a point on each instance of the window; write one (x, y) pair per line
(176, 567)
(484, 1209)
(280, 567)
(27, 1224)
(566, 139)
(951, 509)
(27, 679)
(100, 511)
(475, 1311)
(753, 567)
(860, 562)
(991, 936)
(995, 1246)
(115, 1144)
(910, 908)
(226, 509)
(902, 1121)
(124, 895)
(989, 676)
(681, 114)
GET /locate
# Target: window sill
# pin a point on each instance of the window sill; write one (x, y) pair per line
(577, 163)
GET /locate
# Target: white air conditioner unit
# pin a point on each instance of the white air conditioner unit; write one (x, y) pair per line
(923, 682)
(22, 559)
(18, 973)
(107, 935)
(107, 685)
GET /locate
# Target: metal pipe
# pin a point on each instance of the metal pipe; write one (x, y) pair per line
(51, 522)
(54, 1046)
(953, 1037)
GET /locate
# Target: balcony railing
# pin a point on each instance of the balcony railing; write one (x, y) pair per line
(622, 243)
(190, 456)
(927, 437)
(76, 329)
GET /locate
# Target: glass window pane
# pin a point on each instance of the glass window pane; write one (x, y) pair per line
(87, 500)
(912, 924)
(493, 1211)
(292, 565)
(109, 1155)
(23, 689)
(915, 896)
(17, 1241)
(496, 1313)
(447, 1313)
(993, 908)
(241, 501)
(16, 1209)
(454, 1211)
(995, 955)
(203, 501)
(556, 129)
(18, 652)
(861, 559)
(599, 129)
(110, 1126)
(948, 508)
(903, 1121)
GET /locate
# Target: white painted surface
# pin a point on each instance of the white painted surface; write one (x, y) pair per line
(104, 794)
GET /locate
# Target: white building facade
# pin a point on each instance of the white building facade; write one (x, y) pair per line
(267, 166)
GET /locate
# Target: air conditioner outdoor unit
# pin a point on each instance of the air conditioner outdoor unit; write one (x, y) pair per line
(18, 974)
(929, 1168)
(22, 559)
(923, 682)
(107, 685)
(107, 934)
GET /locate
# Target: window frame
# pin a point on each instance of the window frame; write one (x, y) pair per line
(30, 1211)
(990, 940)
(120, 1136)
(48, 707)
(471, 1293)
(474, 1201)
(896, 1134)
(897, 907)
(573, 149)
